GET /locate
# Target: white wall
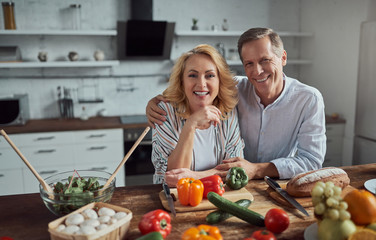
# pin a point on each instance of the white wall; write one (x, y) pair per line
(146, 78)
(334, 50)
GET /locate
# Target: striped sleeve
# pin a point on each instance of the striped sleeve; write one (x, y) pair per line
(164, 141)
(234, 143)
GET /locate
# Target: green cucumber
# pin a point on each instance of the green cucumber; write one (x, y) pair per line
(151, 236)
(220, 215)
(236, 210)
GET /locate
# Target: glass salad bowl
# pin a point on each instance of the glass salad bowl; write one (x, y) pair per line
(75, 189)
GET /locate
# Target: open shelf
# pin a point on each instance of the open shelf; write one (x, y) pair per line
(59, 64)
(60, 32)
(236, 34)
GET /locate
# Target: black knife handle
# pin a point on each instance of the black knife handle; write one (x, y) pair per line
(166, 188)
(273, 184)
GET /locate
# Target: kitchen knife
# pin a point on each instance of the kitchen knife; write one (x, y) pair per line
(169, 198)
(273, 184)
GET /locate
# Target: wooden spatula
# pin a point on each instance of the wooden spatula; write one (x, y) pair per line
(127, 156)
(45, 186)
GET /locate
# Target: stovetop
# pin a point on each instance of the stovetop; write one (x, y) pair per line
(131, 119)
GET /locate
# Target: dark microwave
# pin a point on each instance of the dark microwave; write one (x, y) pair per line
(14, 110)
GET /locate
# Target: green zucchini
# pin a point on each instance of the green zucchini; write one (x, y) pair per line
(220, 215)
(151, 236)
(236, 210)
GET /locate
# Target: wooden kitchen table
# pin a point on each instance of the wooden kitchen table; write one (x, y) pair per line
(25, 216)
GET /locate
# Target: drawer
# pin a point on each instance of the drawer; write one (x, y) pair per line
(10, 159)
(41, 139)
(11, 182)
(334, 145)
(31, 184)
(99, 152)
(49, 155)
(335, 130)
(88, 136)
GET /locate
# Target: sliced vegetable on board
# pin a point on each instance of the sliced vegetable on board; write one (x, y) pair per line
(236, 178)
(155, 221)
(213, 183)
(202, 232)
(236, 210)
(190, 191)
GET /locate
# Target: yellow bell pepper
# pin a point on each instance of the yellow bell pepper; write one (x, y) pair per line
(202, 232)
(190, 191)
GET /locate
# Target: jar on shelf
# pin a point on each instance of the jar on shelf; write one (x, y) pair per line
(8, 13)
(232, 54)
(225, 25)
(76, 16)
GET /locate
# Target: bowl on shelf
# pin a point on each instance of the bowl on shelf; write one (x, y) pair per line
(75, 189)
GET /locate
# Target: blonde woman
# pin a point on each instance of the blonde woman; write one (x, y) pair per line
(201, 127)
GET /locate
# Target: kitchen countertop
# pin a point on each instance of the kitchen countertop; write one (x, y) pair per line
(58, 124)
(25, 216)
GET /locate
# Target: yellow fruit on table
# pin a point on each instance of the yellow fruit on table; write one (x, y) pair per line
(362, 206)
(363, 234)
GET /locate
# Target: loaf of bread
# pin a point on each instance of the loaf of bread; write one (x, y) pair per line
(301, 185)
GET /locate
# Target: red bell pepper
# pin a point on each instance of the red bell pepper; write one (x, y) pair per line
(213, 183)
(155, 221)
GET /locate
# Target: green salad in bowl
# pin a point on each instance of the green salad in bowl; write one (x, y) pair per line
(73, 190)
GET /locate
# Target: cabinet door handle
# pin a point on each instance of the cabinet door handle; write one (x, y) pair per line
(98, 168)
(1, 154)
(97, 148)
(2, 175)
(45, 138)
(145, 143)
(46, 151)
(97, 135)
(48, 172)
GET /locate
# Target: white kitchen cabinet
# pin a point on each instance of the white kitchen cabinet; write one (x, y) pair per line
(53, 152)
(334, 144)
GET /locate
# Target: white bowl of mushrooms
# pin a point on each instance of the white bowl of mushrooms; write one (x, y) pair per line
(93, 221)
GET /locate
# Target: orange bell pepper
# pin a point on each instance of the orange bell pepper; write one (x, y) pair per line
(202, 232)
(190, 191)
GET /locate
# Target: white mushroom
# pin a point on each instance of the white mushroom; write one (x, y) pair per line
(104, 219)
(104, 211)
(113, 220)
(120, 215)
(87, 230)
(74, 219)
(71, 229)
(102, 226)
(90, 213)
(90, 222)
(60, 227)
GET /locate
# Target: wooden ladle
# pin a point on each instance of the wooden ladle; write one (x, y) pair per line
(126, 157)
(45, 186)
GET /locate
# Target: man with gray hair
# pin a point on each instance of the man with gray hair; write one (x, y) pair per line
(282, 120)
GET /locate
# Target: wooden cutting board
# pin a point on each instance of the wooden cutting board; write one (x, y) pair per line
(304, 201)
(232, 195)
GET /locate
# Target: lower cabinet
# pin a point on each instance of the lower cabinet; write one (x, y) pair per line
(54, 152)
(334, 144)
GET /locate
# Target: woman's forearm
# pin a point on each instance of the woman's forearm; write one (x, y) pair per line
(181, 156)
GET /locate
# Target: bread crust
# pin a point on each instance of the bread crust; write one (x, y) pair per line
(301, 185)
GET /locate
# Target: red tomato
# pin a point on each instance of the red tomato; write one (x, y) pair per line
(276, 220)
(263, 235)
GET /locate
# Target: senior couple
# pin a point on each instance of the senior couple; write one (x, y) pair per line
(208, 120)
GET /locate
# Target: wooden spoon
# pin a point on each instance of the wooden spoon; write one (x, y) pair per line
(126, 157)
(45, 186)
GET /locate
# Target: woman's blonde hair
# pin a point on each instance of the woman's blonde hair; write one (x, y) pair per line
(227, 97)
